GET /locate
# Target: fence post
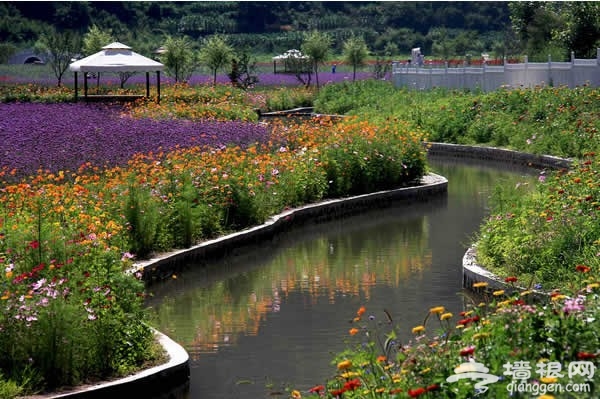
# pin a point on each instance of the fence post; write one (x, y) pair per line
(550, 83)
(572, 74)
(446, 83)
(526, 83)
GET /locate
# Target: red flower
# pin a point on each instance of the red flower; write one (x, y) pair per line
(35, 244)
(433, 387)
(413, 393)
(317, 389)
(467, 351)
(582, 268)
(352, 384)
(338, 392)
(395, 390)
(586, 355)
(518, 302)
(511, 279)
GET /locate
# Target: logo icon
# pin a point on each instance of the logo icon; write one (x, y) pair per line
(474, 371)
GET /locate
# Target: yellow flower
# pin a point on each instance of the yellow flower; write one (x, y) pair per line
(380, 390)
(498, 293)
(481, 335)
(546, 397)
(446, 316)
(425, 371)
(558, 297)
(344, 365)
(437, 309)
(296, 394)
(418, 329)
(458, 327)
(503, 303)
(9, 274)
(525, 293)
(480, 284)
(548, 380)
(593, 285)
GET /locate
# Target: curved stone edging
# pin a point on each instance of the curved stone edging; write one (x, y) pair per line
(471, 271)
(498, 155)
(166, 264)
(168, 378)
(176, 371)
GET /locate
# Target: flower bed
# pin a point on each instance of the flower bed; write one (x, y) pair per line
(68, 232)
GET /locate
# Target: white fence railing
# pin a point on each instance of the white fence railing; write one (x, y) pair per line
(578, 72)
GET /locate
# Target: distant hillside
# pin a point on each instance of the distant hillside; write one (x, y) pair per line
(263, 26)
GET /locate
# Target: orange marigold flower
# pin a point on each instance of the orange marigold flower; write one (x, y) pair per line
(418, 329)
(353, 331)
(437, 309)
(344, 365)
(381, 358)
(361, 311)
(446, 316)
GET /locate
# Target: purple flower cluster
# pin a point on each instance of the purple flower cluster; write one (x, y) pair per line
(65, 136)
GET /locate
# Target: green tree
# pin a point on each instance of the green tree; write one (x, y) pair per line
(59, 48)
(95, 39)
(216, 53)
(355, 52)
(243, 71)
(534, 22)
(179, 58)
(580, 31)
(316, 46)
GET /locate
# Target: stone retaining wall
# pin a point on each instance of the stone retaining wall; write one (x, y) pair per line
(165, 265)
(168, 381)
(471, 271)
(497, 155)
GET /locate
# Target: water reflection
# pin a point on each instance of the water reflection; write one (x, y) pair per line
(264, 318)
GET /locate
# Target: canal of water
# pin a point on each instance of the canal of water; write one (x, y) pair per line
(272, 317)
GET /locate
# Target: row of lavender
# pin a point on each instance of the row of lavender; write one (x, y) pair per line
(111, 79)
(65, 136)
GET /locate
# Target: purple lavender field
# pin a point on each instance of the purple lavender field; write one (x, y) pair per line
(65, 136)
(139, 79)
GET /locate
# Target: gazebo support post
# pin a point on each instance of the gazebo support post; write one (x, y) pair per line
(148, 84)
(75, 81)
(85, 85)
(158, 87)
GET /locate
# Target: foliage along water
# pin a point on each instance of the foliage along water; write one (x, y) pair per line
(271, 317)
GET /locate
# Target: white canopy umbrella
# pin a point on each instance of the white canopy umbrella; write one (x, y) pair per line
(117, 57)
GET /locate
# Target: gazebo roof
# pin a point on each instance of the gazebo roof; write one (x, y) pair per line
(293, 53)
(116, 57)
